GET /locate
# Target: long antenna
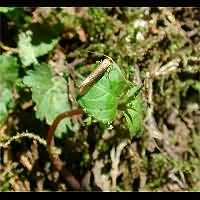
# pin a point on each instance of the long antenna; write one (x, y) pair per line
(101, 55)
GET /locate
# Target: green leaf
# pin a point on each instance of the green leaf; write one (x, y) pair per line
(6, 101)
(8, 76)
(50, 95)
(101, 100)
(44, 38)
(8, 69)
(26, 52)
(134, 113)
(6, 9)
(38, 41)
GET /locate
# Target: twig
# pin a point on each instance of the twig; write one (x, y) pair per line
(168, 68)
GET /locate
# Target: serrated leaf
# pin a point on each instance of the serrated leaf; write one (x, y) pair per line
(101, 100)
(8, 69)
(44, 38)
(50, 95)
(134, 114)
(26, 52)
(43, 48)
(36, 42)
(8, 77)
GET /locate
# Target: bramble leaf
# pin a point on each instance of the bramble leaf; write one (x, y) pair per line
(134, 114)
(8, 77)
(101, 100)
(44, 38)
(26, 52)
(8, 69)
(50, 95)
(36, 42)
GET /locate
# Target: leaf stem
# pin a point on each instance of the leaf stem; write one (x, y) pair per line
(50, 141)
(56, 161)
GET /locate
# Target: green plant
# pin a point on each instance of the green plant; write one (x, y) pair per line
(51, 85)
(49, 91)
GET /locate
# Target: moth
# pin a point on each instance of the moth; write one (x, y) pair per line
(99, 71)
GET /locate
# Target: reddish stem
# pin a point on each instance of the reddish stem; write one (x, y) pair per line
(50, 136)
(57, 162)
